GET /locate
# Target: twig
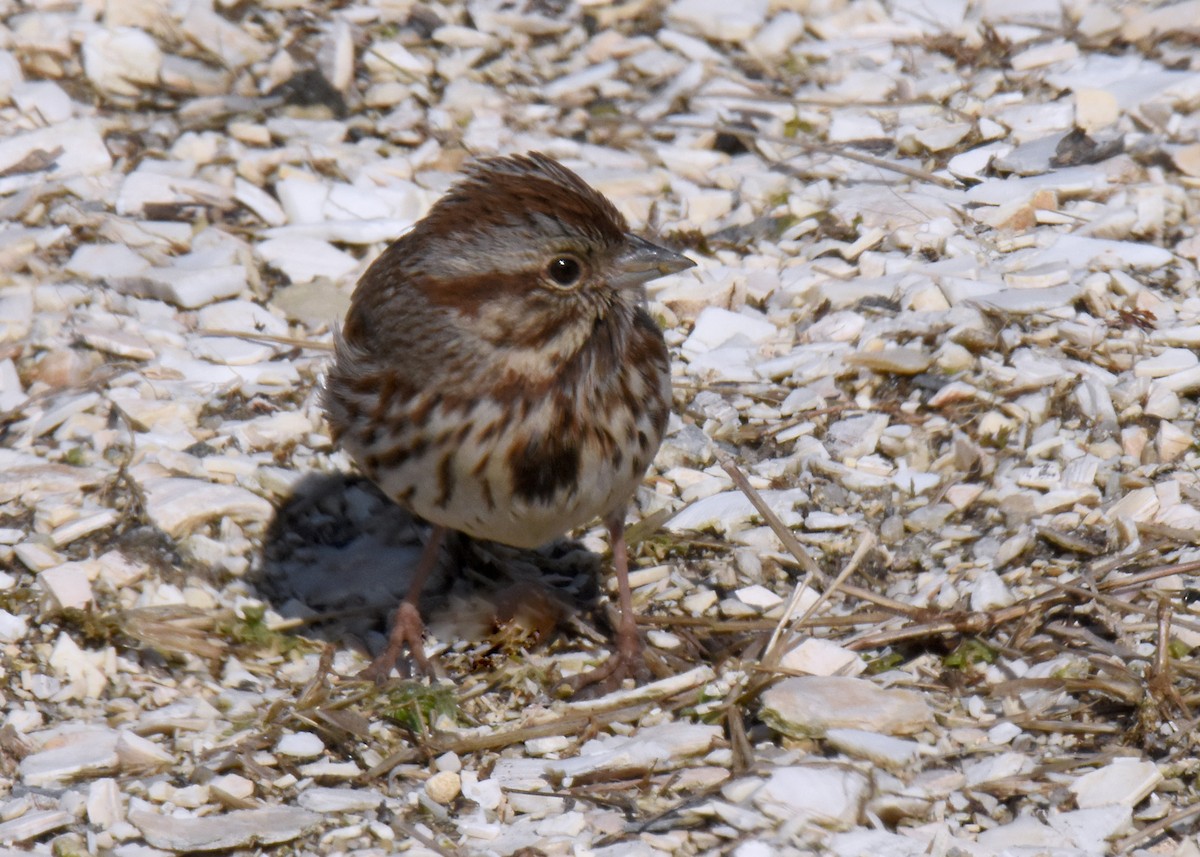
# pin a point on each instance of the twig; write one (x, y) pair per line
(793, 546)
(777, 526)
(739, 741)
(1159, 684)
(774, 651)
(607, 803)
(748, 626)
(1152, 830)
(621, 707)
(983, 622)
(1151, 575)
(1069, 728)
(1119, 604)
(267, 337)
(428, 841)
(752, 135)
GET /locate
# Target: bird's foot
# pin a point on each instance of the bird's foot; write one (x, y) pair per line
(407, 633)
(627, 662)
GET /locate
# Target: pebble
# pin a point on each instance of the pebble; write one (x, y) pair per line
(758, 596)
(896, 361)
(486, 793)
(83, 150)
(855, 437)
(999, 767)
(548, 745)
(443, 787)
(989, 592)
(121, 60)
(190, 289)
(141, 754)
(1025, 832)
(83, 526)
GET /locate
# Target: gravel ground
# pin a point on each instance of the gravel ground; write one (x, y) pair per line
(916, 563)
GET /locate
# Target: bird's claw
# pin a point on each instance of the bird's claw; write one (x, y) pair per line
(627, 662)
(407, 633)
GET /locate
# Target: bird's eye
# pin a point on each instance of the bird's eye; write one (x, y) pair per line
(565, 271)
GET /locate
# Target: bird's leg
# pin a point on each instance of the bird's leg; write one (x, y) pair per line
(408, 631)
(628, 661)
(629, 644)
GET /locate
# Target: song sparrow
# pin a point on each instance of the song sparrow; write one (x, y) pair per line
(498, 375)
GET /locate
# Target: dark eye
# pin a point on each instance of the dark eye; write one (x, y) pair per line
(565, 270)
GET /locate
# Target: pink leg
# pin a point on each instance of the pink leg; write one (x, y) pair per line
(628, 660)
(408, 631)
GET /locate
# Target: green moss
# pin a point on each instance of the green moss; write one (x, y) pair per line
(969, 652)
(416, 706)
(883, 663)
(250, 629)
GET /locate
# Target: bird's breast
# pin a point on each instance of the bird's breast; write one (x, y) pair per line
(527, 451)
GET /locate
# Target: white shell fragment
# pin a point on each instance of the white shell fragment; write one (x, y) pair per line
(238, 829)
(828, 796)
(319, 799)
(813, 705)
(1125, 781)
(121, 60)
(178, 505)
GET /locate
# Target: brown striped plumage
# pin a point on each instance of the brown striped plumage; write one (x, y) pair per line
(497, 373)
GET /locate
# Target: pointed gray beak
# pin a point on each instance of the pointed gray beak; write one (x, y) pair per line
(640, 262)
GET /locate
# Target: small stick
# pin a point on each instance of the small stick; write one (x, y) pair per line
(310, 344)
(614, 708)
(773, 654)
(1149, 832)
(751, 135)
(777, 526)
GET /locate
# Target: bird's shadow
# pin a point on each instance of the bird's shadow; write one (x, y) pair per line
(340, 555)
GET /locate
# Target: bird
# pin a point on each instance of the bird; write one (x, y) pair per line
(498, 374)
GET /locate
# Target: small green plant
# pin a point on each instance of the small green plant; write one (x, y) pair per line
(970, 651)
(249, 628)
(796, 126)
(883, 663)
(1178, 649)
(417, 706)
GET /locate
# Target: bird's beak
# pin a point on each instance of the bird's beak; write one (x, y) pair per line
(640, 262)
